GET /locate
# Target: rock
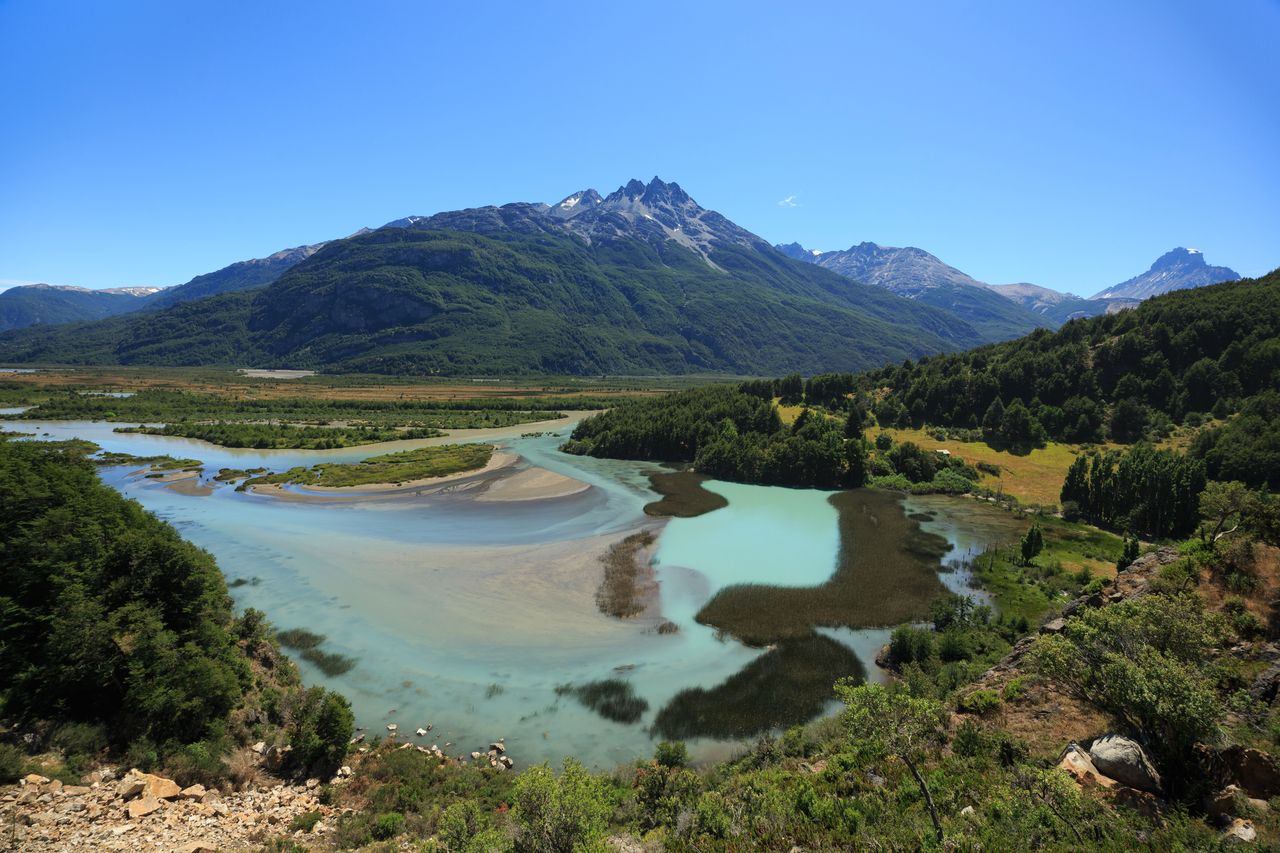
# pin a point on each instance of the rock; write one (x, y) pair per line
(357, 739)
(1054, 626)
(1143, 802)
(142, 806)
(129, 788)
(34, 779)
(506, 761)
(1224, 802)
(312, 784)
(392, 727)
(1267, 685)
(1124, 760)
(259, 747)
(344, 770)
(195, 792)
(157, 786)
(1240, 831)
(421, 732)
(1253, 770)
(75, 790)
(197, 847)
(123, 828)
(54, 787)
(1080, 767)
(966, 811)
(498, 747)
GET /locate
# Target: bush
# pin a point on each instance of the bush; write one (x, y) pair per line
(387, 825)
(306, 821)
(459, 824)
(80, 739)
(908, 644)
(568, 813)
(319, 724)
(980, 702)
(671, 754)
(13, 764)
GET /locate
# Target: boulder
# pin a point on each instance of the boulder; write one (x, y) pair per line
(1224, 802)
(1240, 832)
(158, 786)
(129, 788)
(1077, 764)
(144, 805)
(194, 792)
(1267, 685)
(421, 732)
(1124, 760)
(1253, 770)
(1054, 626)
(34, 779)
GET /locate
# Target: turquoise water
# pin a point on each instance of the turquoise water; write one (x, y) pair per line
(467, 614)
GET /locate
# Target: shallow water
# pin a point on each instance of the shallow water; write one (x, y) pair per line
(468, 614)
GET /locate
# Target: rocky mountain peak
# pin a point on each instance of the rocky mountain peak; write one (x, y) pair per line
(1177, 269)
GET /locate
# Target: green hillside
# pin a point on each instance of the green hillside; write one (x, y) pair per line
(401, 300)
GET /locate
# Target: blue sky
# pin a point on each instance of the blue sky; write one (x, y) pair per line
(1068, 144)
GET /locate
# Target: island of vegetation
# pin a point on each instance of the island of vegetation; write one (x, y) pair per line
(284, 436)
(407, 466)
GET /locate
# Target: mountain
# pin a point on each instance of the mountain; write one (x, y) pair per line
(1179, 269)
(48, 304)
(916, 274)
(1058, 306)
(238, 276)
(32, 304)
(643, 280)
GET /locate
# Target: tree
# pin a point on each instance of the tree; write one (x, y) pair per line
(1032, 544)
(1076, 486)
(886, 723)
(992, 420)
(1131, 549)
(1222, 504)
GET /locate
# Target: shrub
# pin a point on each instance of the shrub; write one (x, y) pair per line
(884, 441)
(13, 764)
(387, 825)
(980, 702)
(80, 739)
(319, 724)
(671, 754)
(459, 824)
(568, 813)
(908, 644)
(305, 821)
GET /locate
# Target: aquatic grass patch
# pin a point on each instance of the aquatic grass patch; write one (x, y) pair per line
(389, 468)
(300, 638)
(787, 685)
(886, 574)
(683, 495)
(626, 583)
(612, 698)
(330, 663)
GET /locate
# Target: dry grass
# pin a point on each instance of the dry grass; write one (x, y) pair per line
(1035, 477)
(628, 586)
(318, 387)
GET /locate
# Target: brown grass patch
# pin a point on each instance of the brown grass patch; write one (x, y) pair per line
(628, 587)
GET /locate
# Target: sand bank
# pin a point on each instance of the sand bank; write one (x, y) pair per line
(532, 484)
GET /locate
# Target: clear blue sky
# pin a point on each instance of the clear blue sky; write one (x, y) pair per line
(1067, 144)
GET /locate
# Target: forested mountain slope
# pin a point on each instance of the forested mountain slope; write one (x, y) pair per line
(403, 299)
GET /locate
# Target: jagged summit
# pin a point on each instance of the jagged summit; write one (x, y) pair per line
(1177, 269)
(656, 212)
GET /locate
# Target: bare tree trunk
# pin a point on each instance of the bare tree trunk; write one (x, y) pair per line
(928, 798)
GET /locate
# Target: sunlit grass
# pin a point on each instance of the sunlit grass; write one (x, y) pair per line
(1033, 478)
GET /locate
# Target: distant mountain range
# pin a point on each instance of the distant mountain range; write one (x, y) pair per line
(916, 274)
(642, 280)
(47, 304)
